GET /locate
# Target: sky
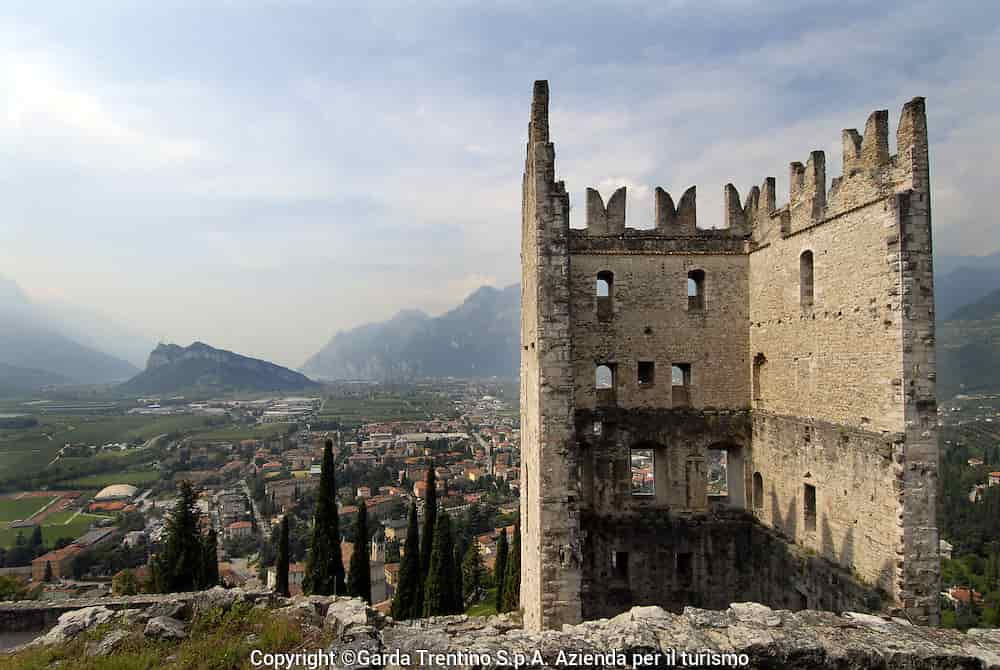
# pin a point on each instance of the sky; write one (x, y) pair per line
(260, 175)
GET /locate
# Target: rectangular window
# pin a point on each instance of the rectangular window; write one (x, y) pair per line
(680, 378)
(619, 563)
(647, 373)
(810, 507)
(685, 567)
(643, 477)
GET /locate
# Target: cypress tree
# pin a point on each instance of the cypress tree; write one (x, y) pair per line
(512, 582)
(324, 567)
(500, 569)
(210, 560)
(407, 602)
(281, 566)
(430, 520)
(48, 571)
(183, 556)
(37, 543)
(472, 572)
(359, 579)
(438, 589)
(457, 583)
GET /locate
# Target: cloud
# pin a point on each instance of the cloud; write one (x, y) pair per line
(262, 176)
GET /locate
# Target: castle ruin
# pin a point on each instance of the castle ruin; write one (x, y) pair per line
(748, 413)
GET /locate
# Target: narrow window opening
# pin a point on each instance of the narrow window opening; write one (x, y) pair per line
(619, 563)
(643, 474)
(758, 491)
(647, 373)
(598, 428)
(680, 377)
(605, 384)
(806, 280)
(759, 361)
(696, 290)
(726, 473)
(684, 566)
(605, 295)
(810, 507)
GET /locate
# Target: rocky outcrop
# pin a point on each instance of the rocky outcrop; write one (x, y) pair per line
(165, 628)
(744, 635)
(172, 368)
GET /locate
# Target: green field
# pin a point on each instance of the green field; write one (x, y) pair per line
(52, 531)
(256, 432)
(386, 408)
(27, 451)
(22, 508)
(135, 478)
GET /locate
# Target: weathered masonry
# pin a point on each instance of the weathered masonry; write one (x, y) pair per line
(748, 413)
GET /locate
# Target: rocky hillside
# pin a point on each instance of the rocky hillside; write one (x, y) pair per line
(477, 339)
(233, 629)
(172, 369)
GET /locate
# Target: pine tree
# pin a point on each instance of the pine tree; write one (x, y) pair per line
(472, 572)
(182, 557)
(500, 569)
(430, 520)
(512, 582)
(439, 589)
(407, 602)
(324, 566)
(281, 566)
(210, 560)
(48, 572)
(359, 579)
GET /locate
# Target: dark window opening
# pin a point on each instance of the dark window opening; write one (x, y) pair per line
(758, 491)
(605, 384)
(605, 295)
(647, 373)
(680, 377)
(643, 474)
(685, 566)
(806, 280)
(696, 290)
(619, 563)
(810, 507)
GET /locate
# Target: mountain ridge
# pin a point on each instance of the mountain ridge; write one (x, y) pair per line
(478, 338)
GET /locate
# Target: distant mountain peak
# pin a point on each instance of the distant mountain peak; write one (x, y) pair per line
(172, 367)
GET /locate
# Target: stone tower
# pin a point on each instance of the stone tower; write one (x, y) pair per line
(744, 413)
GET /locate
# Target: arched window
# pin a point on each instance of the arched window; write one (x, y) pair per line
(605, 294)
(806, 280)
(696, 290)
(758, 491)
(604, 383)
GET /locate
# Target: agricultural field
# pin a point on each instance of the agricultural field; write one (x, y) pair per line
(357, 410)
(28, 451)
(255, 432)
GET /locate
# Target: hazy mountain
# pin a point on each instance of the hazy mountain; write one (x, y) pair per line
(15, 379)
(96, 330)
(43, 337)
(172, 368)
(477, 339)
(962, 280)
(968, 348)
